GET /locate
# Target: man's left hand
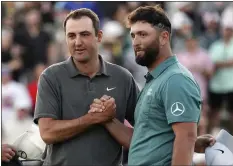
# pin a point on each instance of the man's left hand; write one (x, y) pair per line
(203, 142)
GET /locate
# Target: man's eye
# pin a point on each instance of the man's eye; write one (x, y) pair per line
(71, 36)
(85, 34)
(143, 34)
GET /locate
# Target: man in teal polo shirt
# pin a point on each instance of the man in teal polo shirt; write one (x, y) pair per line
(168, 107)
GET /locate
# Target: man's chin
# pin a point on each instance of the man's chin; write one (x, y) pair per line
(141, 61)
(83, 59)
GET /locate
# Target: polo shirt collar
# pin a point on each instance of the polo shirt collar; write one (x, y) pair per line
(73, 71)
(160, 68)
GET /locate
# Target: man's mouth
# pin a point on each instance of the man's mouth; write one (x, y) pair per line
(80, 50)
(139, 52)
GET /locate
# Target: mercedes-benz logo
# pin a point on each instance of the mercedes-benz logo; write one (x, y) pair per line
(177, 109)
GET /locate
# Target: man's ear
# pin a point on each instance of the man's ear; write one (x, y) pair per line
(163, 38)
(99, 35)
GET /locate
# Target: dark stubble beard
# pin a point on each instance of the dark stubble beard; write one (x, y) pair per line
(150, 55)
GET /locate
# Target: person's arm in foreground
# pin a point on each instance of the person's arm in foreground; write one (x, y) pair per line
(118, 130)
(48, 111)
(54, 131)
(183, 148)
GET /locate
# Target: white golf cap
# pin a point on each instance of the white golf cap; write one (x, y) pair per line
(180, 19)
(221, 152)
(30, 145)
(112, 30)
(225, 138)
(227, 17)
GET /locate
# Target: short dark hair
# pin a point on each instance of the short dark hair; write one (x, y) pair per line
(78, 13)
(153, 15)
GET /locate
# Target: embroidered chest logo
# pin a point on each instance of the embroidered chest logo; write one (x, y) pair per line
(149, 92)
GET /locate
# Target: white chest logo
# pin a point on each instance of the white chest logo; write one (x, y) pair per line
(109, 89)
(149, 92)
(177, 109)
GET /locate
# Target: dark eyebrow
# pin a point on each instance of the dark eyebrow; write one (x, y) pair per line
(82, 32)
(70, 33)
(137, 32)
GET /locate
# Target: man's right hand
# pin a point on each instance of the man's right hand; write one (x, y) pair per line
(103, 109)
(8, 152)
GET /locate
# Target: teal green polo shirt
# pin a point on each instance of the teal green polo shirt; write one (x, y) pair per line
(170, 95)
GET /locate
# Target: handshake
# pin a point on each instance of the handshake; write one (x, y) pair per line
(103, 110)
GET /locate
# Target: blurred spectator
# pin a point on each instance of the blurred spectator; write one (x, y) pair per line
(3, 10)
(212, 6)
(46, 9)
(113, 9)
(211, 34)
(221, 85)
(8, 22)
(182, 28)
(16, 104)
(33, 39)
(198, 62)
(111, 48)
(227, 15)
(72, 5)
(20, 9)
(32, 86)
(11, 53)
(120, 13)
(190, 10)
(137, 71)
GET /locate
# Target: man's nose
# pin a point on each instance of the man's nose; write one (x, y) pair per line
(136, 42)
(78, 41)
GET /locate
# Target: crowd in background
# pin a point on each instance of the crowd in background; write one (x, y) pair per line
(33, 38)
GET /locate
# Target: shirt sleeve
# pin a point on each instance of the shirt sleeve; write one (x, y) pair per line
(182, 99)
(48, 99)
(132, 101)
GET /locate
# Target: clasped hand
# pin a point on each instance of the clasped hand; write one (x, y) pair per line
(103, 109)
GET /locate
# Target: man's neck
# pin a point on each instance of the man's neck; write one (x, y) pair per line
(90, 68)
(161, 58)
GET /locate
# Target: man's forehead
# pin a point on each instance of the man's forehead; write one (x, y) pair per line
(79, 25)
(141, 26)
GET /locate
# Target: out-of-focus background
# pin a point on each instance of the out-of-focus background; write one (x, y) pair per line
(33, 38)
